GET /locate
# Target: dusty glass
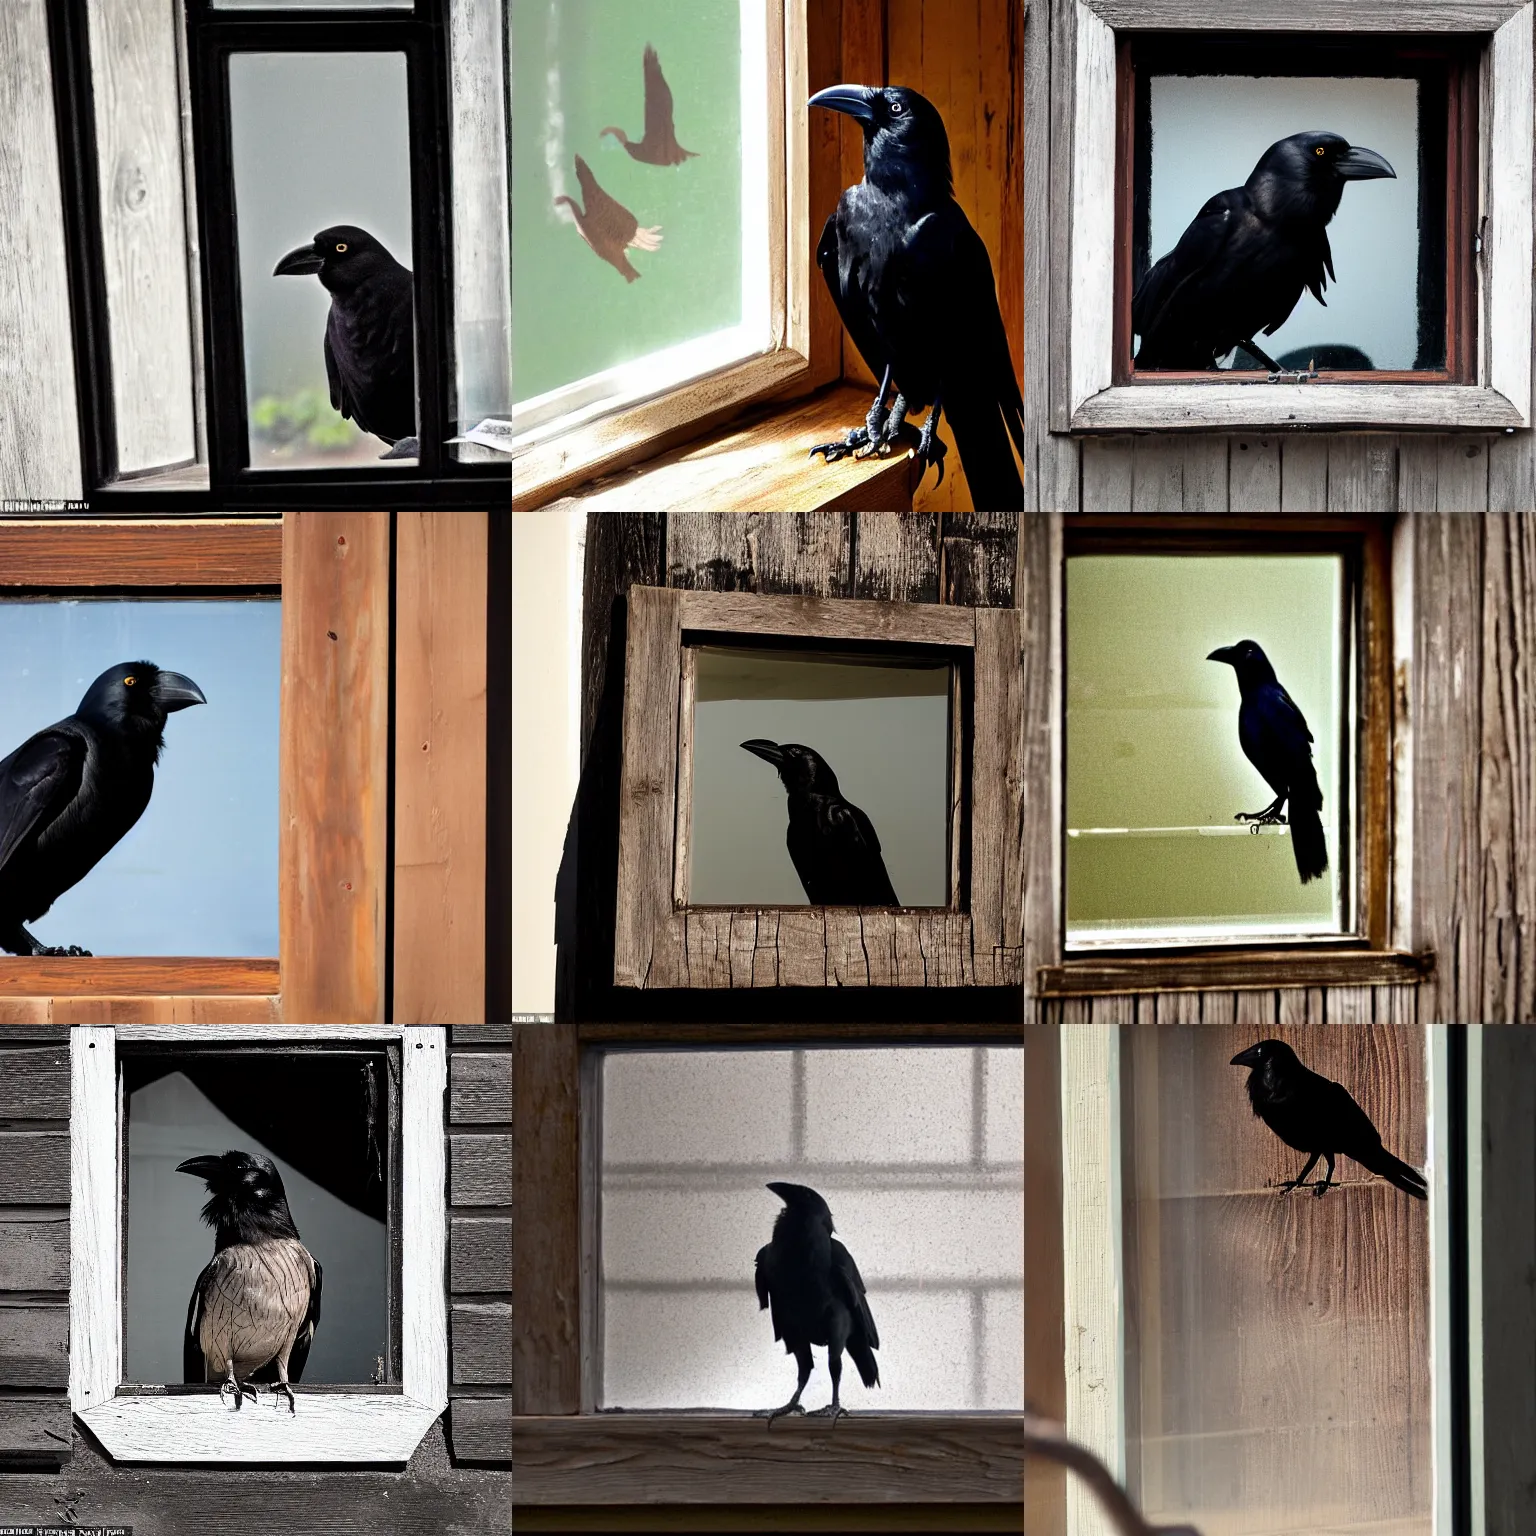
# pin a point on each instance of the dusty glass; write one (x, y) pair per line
(919, 1152)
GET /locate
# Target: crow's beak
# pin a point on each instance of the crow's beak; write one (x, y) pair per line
(300, 261)
(781, 1190)
(770, 752)
(856, 100)
(206, 1167)
(1248, 1058)
(172, 691)
(1223, 653)
(1363, 165)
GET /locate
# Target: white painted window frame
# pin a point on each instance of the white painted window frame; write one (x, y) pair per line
(1084, 396)
(1094, 1292)
(366, 1428)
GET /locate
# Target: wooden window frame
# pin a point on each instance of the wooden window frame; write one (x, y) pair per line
(564, 1453)
(1458, 230)
(332, 571)
(661, 942)
(331, 1427)
(1084, 395)
(543, 465)
(1363, 957)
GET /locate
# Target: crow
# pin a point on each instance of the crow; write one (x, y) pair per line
(831, 842)
(369, 334)
(659, 146)
(1241, 265)
(1274, 737)
(1318, 1117)
(607, 225)
(913, 284)
(817, 1296)
(69, 793)
(256, 1305)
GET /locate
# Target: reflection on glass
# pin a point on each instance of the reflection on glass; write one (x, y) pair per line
(309, 1115)
(1277, 1347)
(197, 873)
(879, 728)
(638, 196)
(1155, 771)
(321, 143)
(919, 1153)
(1208, 133)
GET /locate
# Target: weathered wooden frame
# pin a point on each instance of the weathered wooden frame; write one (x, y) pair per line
(661, 942)
(1083, 394)
(330, 1427)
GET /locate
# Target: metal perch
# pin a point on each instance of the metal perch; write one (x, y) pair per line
(1043, 1438)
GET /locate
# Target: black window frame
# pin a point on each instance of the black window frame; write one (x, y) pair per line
(421, 35)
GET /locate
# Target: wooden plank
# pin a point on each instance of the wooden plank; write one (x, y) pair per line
(482, 1343)
(797, 1032)
(806, 555)
(480, 1430)
(334, 765)
(848, 619)
(479, 1089)
(1304, 474)
(863, 63)
(34, 1346)
(481, 1034)
(1253, 473)
(34, 1255)
(131, 976)
(1314, 15)
(480, 1253)
(1245, 970)
(440, 766)
(34, 1084)
(1362, 473)
(1109, 470)
(107, 1009)
(217, 552)
(34, 1167)
(825, 183)
(480, 1169)
(897, 557)
(978, 559)
(35, 1428)
(1041, 568)
(1509, 236)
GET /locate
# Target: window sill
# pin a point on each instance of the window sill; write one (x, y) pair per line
(1238, 971)
(762, 465)
(131, 976)
(724, 1458)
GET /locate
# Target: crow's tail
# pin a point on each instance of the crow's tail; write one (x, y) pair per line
(1395, 1171)
(863, 1357)
(1307, 841)
(988, 418)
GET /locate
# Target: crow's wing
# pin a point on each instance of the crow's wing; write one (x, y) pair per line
(193, 1366)
(37, 781)
(839, 259)
(658, 100)
(850, 1284)
(767, 1282)
(306, 1335)
(340, 401)
(1166, 288)
(1350, 1125)
(606, 216)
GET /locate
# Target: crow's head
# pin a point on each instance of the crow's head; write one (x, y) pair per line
(1248, 660)
(1306, 173)
(803, 1201)
(246, 1197)
(905, 143)
(139, 694)
(800, 768)
(1267, 1054)
(343, 257)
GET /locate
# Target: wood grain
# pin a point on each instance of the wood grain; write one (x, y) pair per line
(333, 767)
(130, 976)
(1243, 970)
(480, 1253)
(479, 1089)
(480, 1169)
(34, 1346)
(480, 1429)
(34, 1083)
(482, 1343)
(35, 1428)
(110, 1009)
(1315, 15)
(440, 767)
(34, 1255)
(229, 552)
(34, 1167)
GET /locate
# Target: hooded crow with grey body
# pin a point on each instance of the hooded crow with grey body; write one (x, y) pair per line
(69, 793)
(255, 1307)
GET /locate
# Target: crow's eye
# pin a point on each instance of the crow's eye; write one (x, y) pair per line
(343, 244)
(128, 682)
(898, 108)
(1318, 151)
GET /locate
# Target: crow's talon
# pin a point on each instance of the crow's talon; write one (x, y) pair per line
(858, 437)
(779, 1413)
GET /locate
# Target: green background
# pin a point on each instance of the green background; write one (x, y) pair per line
(576, 69)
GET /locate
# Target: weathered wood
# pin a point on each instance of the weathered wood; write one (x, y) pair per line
(1045, 1345)
(824, 183)
(1040, 789)
(34, 1084)
(796, 1032)
(479, 1089)
(1314, 15)
(334, 766)
(219, 552)
(480, 1429)
(109, 1009)
(126, 976)
(1224, 407)
(482, 1343)
(34, 1346)
(978, 558)
(480, 1168)
(872, 1458)
(798, 554)
(896, 556)
(34, 1167)
(34, 1255)
(481, 1034)
(480, 1253)
(440, 767)
(1246, 970)
(35, 1428)
(1510, 236)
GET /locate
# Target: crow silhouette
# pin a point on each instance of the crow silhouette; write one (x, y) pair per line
(659, 146)
(607, 225)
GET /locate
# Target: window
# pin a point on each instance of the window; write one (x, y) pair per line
(905, 714)
(1447, 305)
(186, 1086)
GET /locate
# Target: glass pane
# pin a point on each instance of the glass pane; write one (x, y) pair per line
(283, 105)
(880, 729)
(640, 197)
(196, 874)
(1155, 771)
(1278, 1358)
(1208, 133)
(919, 1153)
(311, 5)
(322, 1121)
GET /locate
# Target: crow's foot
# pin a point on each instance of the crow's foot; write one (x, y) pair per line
(61, 949)
(930, 446)
(856, 439)
(1270, 816)
(833, 1411)
(779, 1413)
(1283, 376)
(406, 448)
(1322, 1187)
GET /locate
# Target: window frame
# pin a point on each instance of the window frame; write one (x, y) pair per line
(340, 1427)
(1084, 395)
(660, 943)
(566, 1453)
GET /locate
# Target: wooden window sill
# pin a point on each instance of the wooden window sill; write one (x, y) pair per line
(762, 465)
(1239, 971)
(132, 976)
(725, 1458)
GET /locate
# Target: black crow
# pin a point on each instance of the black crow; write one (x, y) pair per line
(832, 843)
(1317, 1116)
(913, 284)
(70, 792)
(1241, 265)
(1274, 737)
(256, 1305)
(659, 146)
(369, 335)
(817, 1295)
(607, 225)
